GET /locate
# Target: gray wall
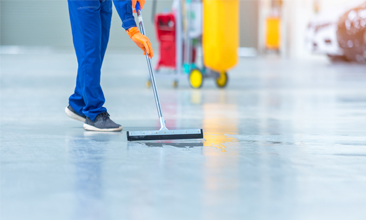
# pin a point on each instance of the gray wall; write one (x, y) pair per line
(46, 23)
(249, 23)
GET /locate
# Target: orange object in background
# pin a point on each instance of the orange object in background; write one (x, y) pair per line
(273, 33)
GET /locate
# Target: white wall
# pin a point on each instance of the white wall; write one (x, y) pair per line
(297, 15)
(326, 4)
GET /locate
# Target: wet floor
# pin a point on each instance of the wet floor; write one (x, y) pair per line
(285, 140)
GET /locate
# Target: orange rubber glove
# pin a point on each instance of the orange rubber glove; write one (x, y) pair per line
(141, 41)
(142, 3)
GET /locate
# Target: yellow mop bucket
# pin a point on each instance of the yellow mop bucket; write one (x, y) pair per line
(273, 33)
(220, 34)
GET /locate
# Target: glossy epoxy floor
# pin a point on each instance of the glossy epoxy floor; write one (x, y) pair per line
(285, 140)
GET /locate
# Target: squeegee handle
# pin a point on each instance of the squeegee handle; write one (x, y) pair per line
(138, 6)
(141, 22)
(151, 72)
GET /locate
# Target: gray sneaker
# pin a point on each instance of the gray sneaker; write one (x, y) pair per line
(72, 114)
(102, 123)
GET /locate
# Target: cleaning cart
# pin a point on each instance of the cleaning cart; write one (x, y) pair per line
(185, 32)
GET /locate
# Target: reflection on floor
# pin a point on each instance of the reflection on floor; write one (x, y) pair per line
(285, 140)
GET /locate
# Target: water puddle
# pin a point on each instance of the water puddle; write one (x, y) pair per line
(218, 141)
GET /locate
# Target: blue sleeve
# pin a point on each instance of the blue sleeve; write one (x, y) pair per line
(124, 9)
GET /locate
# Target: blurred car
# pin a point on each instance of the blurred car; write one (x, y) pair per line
(339, 33)
(321, 34)
(351, 33)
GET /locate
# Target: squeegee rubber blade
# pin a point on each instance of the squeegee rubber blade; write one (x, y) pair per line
(164, 137)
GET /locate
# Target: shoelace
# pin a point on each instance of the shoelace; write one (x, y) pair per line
(104, 115)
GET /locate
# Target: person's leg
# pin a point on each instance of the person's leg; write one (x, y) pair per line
(76, 100)
(86, 24)
(106, 17)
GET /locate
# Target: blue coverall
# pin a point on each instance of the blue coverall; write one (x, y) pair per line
(90, 24)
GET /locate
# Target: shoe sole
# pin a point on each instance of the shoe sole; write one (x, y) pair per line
(73, 115)
(92, 128)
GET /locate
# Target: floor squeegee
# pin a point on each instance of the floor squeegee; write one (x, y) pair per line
(163, 133)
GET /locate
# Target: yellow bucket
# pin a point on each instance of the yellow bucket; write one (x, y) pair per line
(273, 33)
(220, 34)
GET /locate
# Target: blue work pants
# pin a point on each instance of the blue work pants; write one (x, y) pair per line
(90, 24)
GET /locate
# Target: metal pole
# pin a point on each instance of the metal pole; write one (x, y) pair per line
(179, 39)
(151, 72)
(188, 39)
